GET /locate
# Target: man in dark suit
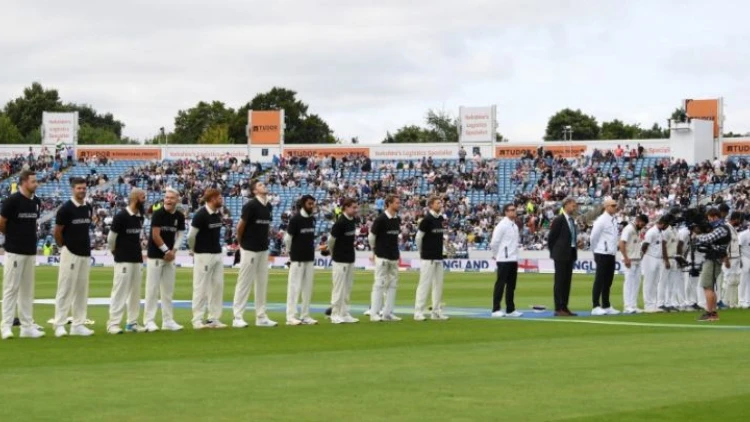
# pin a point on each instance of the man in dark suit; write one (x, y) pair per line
(563, 248)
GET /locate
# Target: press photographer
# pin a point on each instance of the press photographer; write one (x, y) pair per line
(714, 245)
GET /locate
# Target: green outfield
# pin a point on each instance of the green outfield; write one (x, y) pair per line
(662, 367)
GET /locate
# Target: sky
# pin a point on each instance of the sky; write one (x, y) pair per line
(368, 67)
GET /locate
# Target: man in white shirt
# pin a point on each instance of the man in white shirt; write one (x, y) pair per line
(654, 253)
(504, 246)
(731, 268)
(744, 287)
(695, 259)
(670, 293)
(630, 248)
(604, 244)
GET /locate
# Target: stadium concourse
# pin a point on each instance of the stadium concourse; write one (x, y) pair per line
(474, 189)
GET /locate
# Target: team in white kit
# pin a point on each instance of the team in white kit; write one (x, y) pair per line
(656, 256)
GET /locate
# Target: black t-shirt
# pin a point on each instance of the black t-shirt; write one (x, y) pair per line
(128, 244)
(386, 231)
(169, 224)
(432, 242)
(257, 219)
(209, 231)
(344, 230)
(76, 222)
(302, 230)
(20, 231)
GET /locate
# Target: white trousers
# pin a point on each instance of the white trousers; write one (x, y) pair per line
(632, 285)
(652, 268)
(72, 288)
(731, 282)
(386, 281)
(18, 289)
(300, 283)
(208, 286)
(343, 280)
(693, 290)
(430, 278)
(160, 279)
(669, 281)
(744, 287)
(253, 275)
(126, 292)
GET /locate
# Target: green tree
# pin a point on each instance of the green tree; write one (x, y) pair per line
(679, 115)
(33, 137)
(9, 133)
(190, 124)
(616, 129)
(89, 135)
(656, 132)
(584, 127)
(314, 129)
(216, 134)
(88, 116)
(26, 111)
(411, 134)
(443, 126)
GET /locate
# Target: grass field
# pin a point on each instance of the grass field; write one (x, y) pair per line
(664, 367)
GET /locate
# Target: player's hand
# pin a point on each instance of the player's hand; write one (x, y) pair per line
(169, 256)
(727, 265)
(667, 265)
(372, 258)
(627, 262)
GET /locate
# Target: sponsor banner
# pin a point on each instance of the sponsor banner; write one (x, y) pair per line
(735, 147)
(415, 152)
(8, 151)
(705, 110)
(337, 152)
(132, 153)
(59, 128)
(568, 150)
(582, 266)
(185, 152)
(265, 127)
(477, 124)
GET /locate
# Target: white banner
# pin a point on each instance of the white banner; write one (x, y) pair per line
(59, 128)
(414, 152)
(477, 124)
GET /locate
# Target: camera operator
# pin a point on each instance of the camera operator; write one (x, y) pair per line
(714, 244)
(733, 263)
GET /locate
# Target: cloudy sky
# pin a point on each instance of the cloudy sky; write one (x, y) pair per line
(370, 67)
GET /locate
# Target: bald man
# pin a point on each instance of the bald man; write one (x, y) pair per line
(124, 240)
(604, 236)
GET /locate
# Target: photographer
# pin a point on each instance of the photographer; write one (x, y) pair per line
(714, 244)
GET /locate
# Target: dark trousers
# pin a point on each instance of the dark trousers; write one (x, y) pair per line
(605, 273)
(507, 273)
(563, 279)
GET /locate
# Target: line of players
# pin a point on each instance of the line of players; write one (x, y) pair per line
(668, 287)
(18, 222)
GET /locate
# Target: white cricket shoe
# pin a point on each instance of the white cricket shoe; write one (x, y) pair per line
(60, 332)
(598, 311)
(391, 318)
(654, 311)
(419, 317)
(293, 321)
(514, 314)
(367, 312)
(31, 333)
(335, 319)
(171, 326)
(134, 328)
(439, 316)
(348, 319)
(115, 329)
(7, 334)
(309, 321)
(376, 318)
(81, 331)
(239, 323)
(498, 314)
(628, 311)
(639, 310)
(151, 327)
(215, 324)
(265, 322)
(199, 325)
(612, 311)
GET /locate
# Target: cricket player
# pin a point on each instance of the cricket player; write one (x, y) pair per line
(300, 242)
(504, 246)
(204, 241)
(72, 225)
(18, 217)
(654, 253)
(604, 244)
(630, 248)
(430, 245)
(167, 234)
(732, 266)
(744, 287)
(341, 245)
(670, 291)
(383, 240)
(124, 240)
(693, 292)
(252, 232)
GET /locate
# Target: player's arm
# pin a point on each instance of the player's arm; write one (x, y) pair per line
(372, 236)
(497, 237)
(664, 254)
(58, 233)
(420, 234)
(554, 232)
(242, 224)
(193, 234)
(7, 210)
(179, 238)
(158, 241)
(596, 233)
(112, 235)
